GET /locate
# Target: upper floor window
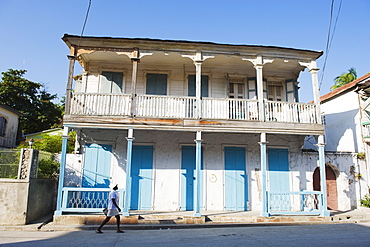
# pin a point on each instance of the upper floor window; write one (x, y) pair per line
(192, 85)
(3, 123)
(111, 82)
(275, 90)
(236, 88)
(156, 84)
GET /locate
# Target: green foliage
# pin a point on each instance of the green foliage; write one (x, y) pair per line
(344, 78)
(366, 201)
(361, 156)
(30, 98)
(48, 168)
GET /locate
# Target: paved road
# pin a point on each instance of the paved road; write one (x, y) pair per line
(304, 235)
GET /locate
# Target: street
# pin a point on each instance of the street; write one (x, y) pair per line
(302, 235)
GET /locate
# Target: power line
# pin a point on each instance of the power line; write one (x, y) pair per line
(84, 25)
(330, 38)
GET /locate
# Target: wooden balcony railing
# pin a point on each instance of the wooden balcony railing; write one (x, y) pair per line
(158, 106)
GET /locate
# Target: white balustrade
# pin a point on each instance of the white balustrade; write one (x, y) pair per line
(290, 112)
(160, 106)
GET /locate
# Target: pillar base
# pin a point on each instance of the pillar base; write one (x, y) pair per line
(264, 214)
(325, 213)
(197, 214)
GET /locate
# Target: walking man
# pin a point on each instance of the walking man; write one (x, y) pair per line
(113, 210)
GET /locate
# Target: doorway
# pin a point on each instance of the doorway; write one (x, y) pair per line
(331, 186)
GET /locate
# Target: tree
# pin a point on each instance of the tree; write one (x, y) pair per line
(344, 78)
(30, 98)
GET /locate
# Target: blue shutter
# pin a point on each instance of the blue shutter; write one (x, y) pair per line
(156, 84)
(192, 86)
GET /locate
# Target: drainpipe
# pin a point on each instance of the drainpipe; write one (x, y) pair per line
(130, 138)
(324, 203)
(198, 162)
(263, 144)
(61, 170)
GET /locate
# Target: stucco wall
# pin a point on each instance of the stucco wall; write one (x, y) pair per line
(9, 140)
(23, 201)
(167, 166)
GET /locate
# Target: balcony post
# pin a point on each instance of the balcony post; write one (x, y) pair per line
(258, 66)
(130, 138)
(61, 170)
(198, 162)
(72, 59)
(263, 144)
(324, 205)
(135, 60)
(198, 83)
(315, 88)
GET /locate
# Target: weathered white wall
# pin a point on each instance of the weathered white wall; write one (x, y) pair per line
(9, 140)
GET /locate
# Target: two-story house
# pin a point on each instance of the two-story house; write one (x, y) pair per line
(183, 125)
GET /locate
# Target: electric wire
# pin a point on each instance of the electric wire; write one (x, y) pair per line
(84, 25)
(330, 38)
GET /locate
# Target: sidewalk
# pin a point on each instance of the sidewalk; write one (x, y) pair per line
(146, 220)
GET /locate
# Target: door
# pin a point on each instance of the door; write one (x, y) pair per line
(188, 192)
(192, 86)
(111, 82)
(236, 179)
(141, 174)
(156, 84)
(97, 162)
(279, 179)
(331, 186)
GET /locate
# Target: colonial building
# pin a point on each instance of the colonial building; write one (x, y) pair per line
(182, 125)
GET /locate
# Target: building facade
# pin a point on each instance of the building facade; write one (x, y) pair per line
(182, 125)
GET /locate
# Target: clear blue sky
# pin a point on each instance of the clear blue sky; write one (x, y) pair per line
(31, 30)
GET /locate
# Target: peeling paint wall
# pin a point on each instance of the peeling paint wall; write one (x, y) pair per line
(167, 165)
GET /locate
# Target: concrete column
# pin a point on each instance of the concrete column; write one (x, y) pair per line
(62, 170)
(198, 163)
(324, 203)
(130, 138)
(315, 88)
(263, 145)
(258, 66)
(135, 60)
(72, 59)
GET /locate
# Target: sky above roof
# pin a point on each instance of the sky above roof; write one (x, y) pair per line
(31, 31)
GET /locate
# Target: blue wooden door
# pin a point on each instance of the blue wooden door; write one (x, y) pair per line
(97, 161)
(279, 179)
(236, 179)
(141, 174)
(188, 192)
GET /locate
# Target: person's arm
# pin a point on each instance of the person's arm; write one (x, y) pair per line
(115, 204)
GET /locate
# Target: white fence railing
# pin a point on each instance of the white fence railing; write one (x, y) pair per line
(301, 202)
(159, 106)
(165, 106)
(230, 109)
(86, 199)
(100, 104)
(290, 112)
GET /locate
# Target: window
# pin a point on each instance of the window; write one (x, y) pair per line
(3, 123)
(236, 88)
(156, 84)
(111, 82)
(275, 90)
(192, 85)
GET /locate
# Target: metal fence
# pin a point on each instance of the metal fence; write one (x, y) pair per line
(9, 163)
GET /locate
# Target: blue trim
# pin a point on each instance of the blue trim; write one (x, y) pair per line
(324, 204)
(198, 162)
(61, 174)
(264, 182)
(127, 201)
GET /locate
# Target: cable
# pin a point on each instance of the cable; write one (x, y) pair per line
(330, 39)
(84, 25)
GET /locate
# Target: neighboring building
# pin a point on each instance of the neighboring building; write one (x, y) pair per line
(347, 143)
(182, 125)
(10, 129)
(39, 136)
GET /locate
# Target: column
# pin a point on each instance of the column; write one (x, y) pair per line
(130, 138)
(324, 203)
(315, 88)
(263, 145)
(198, 163)
(61, 170)
(198, 83)
(258, 66)
(135, 60)
(72, 59)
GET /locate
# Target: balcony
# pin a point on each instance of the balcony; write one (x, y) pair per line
(158, 110)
